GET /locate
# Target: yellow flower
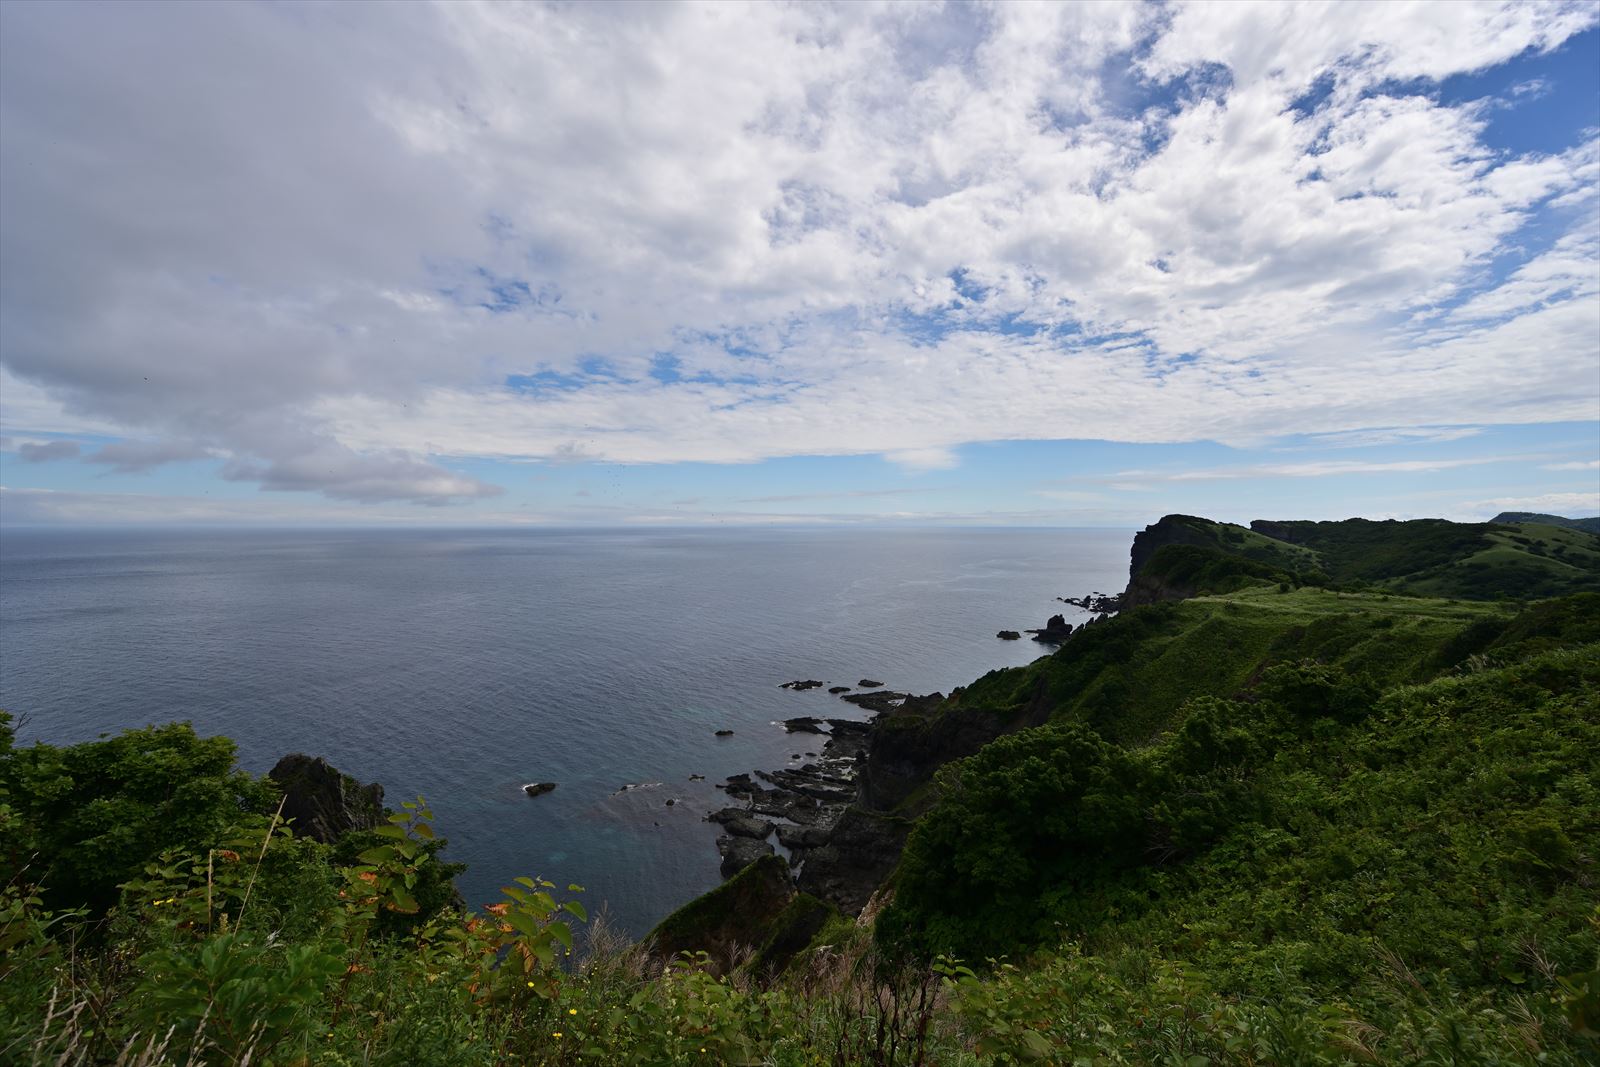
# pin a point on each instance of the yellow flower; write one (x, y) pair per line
(530, 985)
(556, 1034)
(572, 1011)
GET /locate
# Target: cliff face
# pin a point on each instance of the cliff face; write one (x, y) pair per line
(1151, 588)
(1169, 530)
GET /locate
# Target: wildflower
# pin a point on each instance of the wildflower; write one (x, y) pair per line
(556, 1034)
(530, 985)
(570, 1011)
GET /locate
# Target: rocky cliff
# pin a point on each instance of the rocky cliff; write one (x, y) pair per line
(324, 803)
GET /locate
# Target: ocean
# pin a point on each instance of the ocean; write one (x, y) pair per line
(461, 664)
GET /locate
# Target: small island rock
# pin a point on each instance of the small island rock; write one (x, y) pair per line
(538, 789)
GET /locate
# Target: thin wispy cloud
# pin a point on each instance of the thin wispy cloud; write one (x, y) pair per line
(1320, 469)
(384, 254)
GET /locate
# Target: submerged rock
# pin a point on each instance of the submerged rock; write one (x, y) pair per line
(724, 733)
(324, 803)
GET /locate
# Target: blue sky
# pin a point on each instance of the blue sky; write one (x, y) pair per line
(917, 263)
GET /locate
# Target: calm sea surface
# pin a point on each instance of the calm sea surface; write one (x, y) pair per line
(462, 664)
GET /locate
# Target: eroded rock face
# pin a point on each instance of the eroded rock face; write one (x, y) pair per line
(861, 851)
(324, 803)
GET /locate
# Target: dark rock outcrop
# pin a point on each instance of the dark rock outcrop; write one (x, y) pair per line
(740, 823)
(837, 689)
(724, 733)
(538, 789)
(738, 915)
(790, 933)
(861, 851)
(1009, 635)
(800, 837)
(868, 683)
(739, 852)
(880, 700)
(805, 724)
(1056, 630)
(800, 687)
(324, 803)
(1098, 603)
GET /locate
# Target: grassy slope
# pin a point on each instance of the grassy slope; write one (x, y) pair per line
(1128, 676)
(1444, 827)
(1477, 561)
(1406, 890)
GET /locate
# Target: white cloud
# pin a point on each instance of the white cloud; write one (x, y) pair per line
(331, 282)
(1320, 469)
(1576, 465)
(924, 459)
(1571, 505)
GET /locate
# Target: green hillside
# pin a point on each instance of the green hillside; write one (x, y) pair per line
(1517, 518)
(1183, 556)
(1432, 557)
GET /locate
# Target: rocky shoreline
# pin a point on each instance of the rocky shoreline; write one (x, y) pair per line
(841, 820)
(797, 805)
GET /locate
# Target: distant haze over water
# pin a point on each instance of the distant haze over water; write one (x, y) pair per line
(462, 664)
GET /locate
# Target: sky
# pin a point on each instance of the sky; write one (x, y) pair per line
(1014, 264)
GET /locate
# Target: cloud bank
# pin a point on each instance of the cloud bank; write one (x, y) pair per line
(344, 249)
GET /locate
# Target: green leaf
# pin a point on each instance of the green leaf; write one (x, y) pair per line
(576, 909)
(522, 922)
(381, 854)
(563, 934)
